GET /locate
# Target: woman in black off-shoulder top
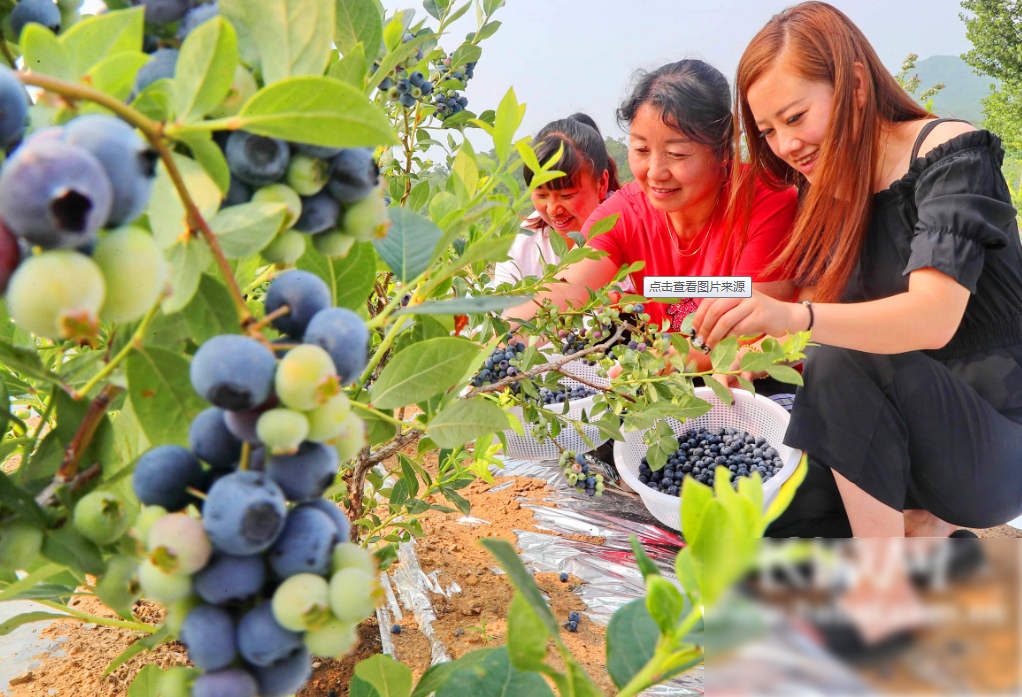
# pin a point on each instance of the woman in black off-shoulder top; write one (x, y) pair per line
(911, 408)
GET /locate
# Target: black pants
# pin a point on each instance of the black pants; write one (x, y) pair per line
(909, 431)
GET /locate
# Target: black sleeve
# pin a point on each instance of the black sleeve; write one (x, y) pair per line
(964, 208)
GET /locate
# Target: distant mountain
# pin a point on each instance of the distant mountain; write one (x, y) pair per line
(962, 97)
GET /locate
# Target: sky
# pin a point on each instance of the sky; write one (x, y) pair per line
(563, 56)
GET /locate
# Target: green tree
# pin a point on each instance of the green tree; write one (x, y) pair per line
(995, 29)
(911, 84)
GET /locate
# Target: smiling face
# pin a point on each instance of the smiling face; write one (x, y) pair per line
(674, 172)
(792, 115)
(567, 209)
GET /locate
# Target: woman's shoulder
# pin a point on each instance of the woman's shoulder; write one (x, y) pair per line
(959, 146)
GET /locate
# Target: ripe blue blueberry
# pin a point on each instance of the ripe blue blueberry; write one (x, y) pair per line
(336, 515)
(211, 441)
(230, 682)
(43, 12)
(305, 545)
(257, 160)
(263, 642)
(406, 100)
(396, 629)
(304, 293)
(319, 213)
(318, 151)
(233, 372)
(228, 578)
(163, 474)
(238, 193)
(161, 65)
(564, 577)
(285, 677)
(54, 194)
(574, 617)
(196, 16)
(208, 632)
(13, 106)
(244, 513)
(307, 473)
(572, 626)
(344, 336)
(353, 175)
(162, 11)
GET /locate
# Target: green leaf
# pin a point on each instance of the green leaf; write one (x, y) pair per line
(350, 278)
(352, 68)
(723, 393)
(65, 546)
(187, 259)
(358, 22)
(523, 582)
(167, 215)
(360, 688)
(205, 69)
(724, 353)
(20, 501)
(419, 195)
(114, 75)
(35, 577)
(210, 157)
(26, 362)
(786, 493)
(746, 385)
(646, 565)
(161, 395)
(147, 643)
(391, 60)
(754, 361)
(438, 674)
(146, 683)
(157, 100)
(44, 53)
(292, 37)
(488, 30)
(24, 618)
(466, 53)
(389, 677)
(211, 311)
(631, 641)
(465, 420)
(318, 111)
(392, 34)
(247, 228)
(408, 245)
(494, 250)
(685, 569)
(494, 676)
(526, 636)
(414, 376)
(94, 38)
(465, 306)
(783, 373)
(465, 174)
(694, 499)
(507, 121)
(664, 602)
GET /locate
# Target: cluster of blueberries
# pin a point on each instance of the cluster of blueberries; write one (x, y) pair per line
(449, 102)
(573, 343)
(578, 474)
(573, 621)
(704, 451)
(279, 583)
(59, 188)
(562, 394)
(501, 363)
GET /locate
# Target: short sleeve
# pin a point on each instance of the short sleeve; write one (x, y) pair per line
(964, 207)
(773, 215)
(615, 240)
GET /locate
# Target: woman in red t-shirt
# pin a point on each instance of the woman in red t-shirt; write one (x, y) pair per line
(674, 215)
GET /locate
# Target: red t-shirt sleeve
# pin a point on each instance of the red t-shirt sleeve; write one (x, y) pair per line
(615, 240)
(773, 215)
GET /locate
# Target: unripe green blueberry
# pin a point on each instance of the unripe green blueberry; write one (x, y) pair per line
(178, 544)
(302, 602)
(69, 18)
(20, 544)
(333, 243)
(286, 248)
(282, 430)
(334, 639)
(368, 219)
(163, 587)
(177, 682)
(242, 88)
(69, 4)
(134, 271)
(177, 610)
(119, 588)
(145, 521)
(354, 594)
(306, 378)
(57, 295)
(352, 439)
(281, 193)
(307, 175)
(102, 517)
(348, 555)
(330, 420)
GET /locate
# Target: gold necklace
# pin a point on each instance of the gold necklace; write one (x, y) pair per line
(709, 223)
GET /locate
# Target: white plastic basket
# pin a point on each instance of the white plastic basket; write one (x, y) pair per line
(757, 415)
(528, 448)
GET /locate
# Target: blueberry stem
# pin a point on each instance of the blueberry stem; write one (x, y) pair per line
(6, 50)
(154, 132)
(195, 492)
(135, 342)
(279, 312)
(246, 455)
(86, 617)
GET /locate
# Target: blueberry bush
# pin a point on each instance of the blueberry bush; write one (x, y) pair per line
(231, 294)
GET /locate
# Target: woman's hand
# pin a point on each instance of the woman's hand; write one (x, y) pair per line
(718, 318)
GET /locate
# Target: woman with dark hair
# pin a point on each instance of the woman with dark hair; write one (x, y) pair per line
(907, 240)
(674, 216)
(563, 204)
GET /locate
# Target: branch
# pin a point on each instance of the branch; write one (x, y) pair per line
(47, 495)
(381, 454)
(553, 366)
(87, 429)
(366, 460)
(6, 50)
(153, 131)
